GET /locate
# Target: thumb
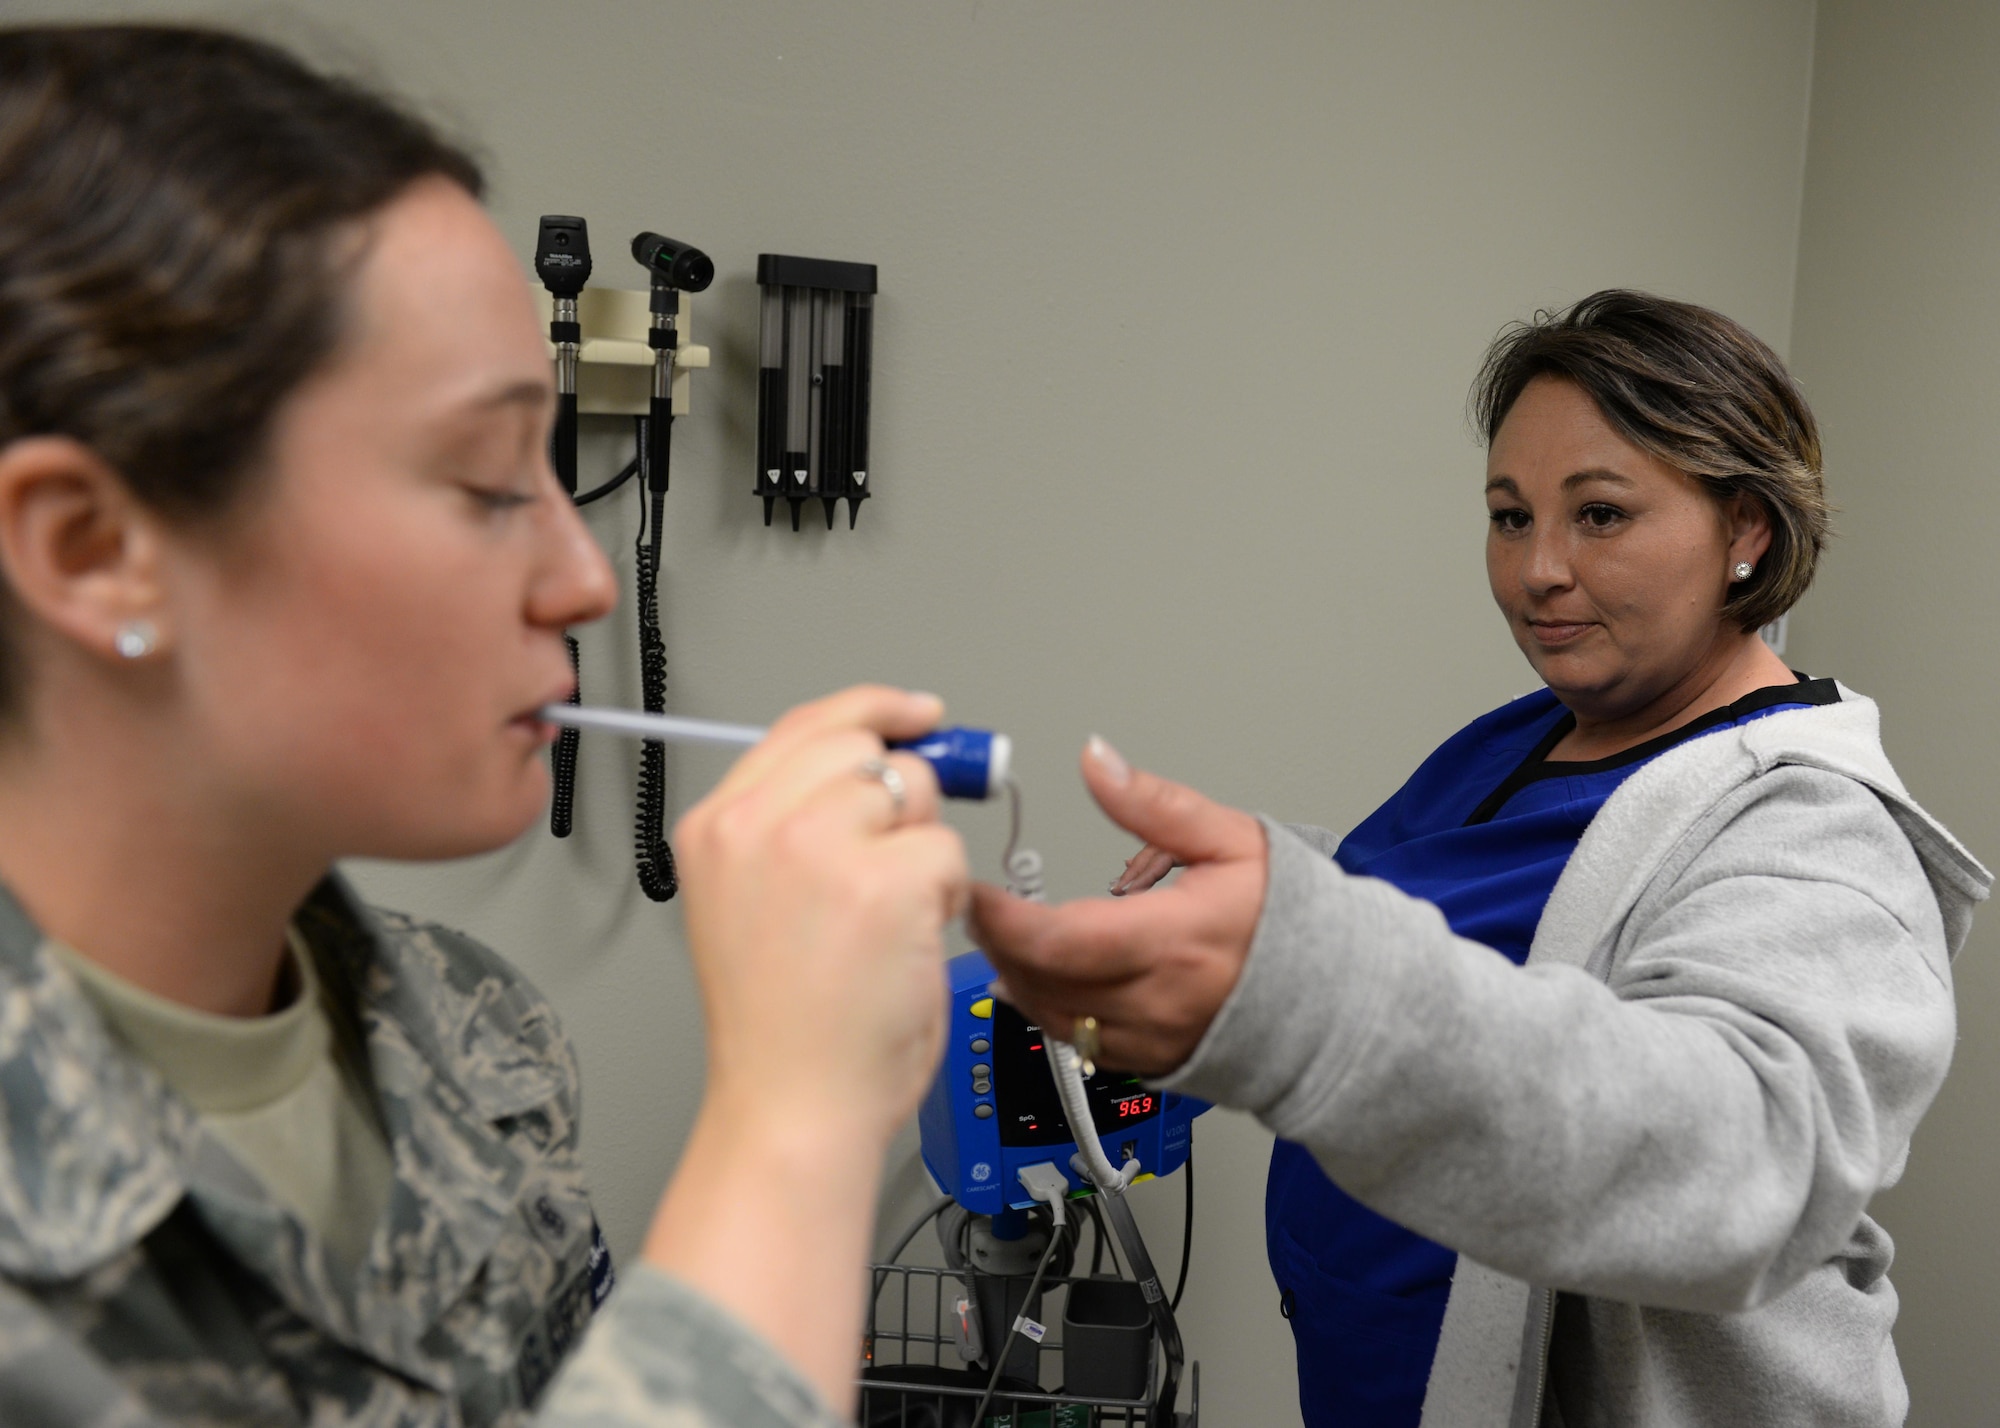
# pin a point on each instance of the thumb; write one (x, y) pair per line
(1166, 814)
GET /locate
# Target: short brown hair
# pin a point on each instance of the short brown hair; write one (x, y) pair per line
(169, 203)
(1701, 393)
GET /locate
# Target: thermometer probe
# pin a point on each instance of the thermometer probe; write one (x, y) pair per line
(970, 763)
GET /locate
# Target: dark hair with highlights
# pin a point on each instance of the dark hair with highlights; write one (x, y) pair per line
(171, 201)
(1699, 392)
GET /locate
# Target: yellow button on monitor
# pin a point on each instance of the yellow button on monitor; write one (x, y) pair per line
(983, 1008)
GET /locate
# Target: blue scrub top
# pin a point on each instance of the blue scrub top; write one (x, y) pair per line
(1482, 830)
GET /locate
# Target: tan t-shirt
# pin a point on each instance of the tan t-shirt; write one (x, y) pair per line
(277, 1090)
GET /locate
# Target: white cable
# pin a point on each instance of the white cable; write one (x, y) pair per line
(1024, 880)
(1068, 1069)
(1023, 866)
(1024, 875)
(1045, 1183)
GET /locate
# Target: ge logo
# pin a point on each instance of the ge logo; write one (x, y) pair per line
(981, 1172)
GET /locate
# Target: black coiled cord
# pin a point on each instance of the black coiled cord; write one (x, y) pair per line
(562, 801)
(655, 859)
(562, 804)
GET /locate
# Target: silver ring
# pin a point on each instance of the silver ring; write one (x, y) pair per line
(891, 778)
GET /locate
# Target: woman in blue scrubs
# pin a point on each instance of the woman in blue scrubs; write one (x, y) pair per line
(1628, 1185)
(1483, 830)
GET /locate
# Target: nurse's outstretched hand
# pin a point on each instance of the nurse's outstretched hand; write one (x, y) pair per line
(1153, 970)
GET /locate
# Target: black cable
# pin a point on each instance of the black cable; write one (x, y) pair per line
(562, 803)
(881, 1276)
(944, 1202)
(1097, 1242)
(1187, 1230)
(1111, 1248)
(598, 493)
(655, 859)
(1007, 1344)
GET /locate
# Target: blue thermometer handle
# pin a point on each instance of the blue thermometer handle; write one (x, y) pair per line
(970, 763)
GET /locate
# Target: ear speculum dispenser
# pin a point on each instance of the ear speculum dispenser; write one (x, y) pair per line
(815, 346)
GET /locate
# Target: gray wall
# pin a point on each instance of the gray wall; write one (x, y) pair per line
(1897, 340)
(1180, 303)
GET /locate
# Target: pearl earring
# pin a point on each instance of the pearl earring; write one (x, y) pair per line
(1744, 570)
(136, 639)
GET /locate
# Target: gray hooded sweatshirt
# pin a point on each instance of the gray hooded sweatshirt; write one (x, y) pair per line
(1654, 1145)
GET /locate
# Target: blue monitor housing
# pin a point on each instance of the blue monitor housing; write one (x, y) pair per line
(993, 1108)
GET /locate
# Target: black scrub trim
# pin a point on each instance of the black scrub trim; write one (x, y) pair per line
(1538, 765)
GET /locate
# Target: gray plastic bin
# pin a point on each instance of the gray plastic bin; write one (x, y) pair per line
(1107, 1339)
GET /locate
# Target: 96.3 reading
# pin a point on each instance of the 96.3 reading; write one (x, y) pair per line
(1029, 1112)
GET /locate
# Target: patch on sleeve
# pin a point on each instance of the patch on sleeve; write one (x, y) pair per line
(602, 1279)
(560, 1327)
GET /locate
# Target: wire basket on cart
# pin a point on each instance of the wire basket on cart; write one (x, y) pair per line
(914, 1376)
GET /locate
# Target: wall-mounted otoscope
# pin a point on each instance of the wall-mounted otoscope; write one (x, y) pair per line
(673, 268)
(680, 266)
(562, 262)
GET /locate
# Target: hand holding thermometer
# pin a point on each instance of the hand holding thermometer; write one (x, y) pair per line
(970, 763)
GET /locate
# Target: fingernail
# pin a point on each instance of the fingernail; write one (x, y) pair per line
(1110, 760)
(1116, 883)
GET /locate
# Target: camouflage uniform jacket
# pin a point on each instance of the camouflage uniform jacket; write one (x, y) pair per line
(147, 1278)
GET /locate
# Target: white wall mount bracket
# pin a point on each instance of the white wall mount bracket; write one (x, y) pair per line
(614, 374)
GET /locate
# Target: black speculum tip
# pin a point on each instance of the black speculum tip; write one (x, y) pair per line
(769, 502)
(831, 503)
(796, 503)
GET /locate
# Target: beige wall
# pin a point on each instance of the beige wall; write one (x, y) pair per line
(1897, 340)
(1180, 303)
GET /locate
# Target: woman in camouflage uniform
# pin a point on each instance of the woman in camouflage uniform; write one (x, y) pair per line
(286, 572)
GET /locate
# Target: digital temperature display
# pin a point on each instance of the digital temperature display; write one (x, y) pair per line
(1030, 1112)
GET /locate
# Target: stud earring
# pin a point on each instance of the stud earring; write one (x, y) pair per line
(1744, 570)
(136, 639)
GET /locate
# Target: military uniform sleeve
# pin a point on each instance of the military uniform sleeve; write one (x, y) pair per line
(659, 1355)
